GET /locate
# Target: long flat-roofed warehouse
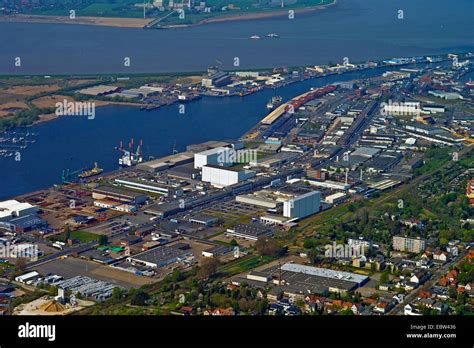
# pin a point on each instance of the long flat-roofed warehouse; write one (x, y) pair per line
(164, 210)
(275, 114)
(116, 198)
(160, 256)
(149, 186)
(295, 279)
(12, 208)
(119, 194)
(19, 216)
(250, 231)
(99, 90)
(160, 164)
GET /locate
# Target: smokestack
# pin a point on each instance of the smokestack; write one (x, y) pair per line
(347, 174)
(279, 273)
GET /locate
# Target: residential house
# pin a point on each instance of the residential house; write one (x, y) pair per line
(419, 277)
(314, 303)
(386, 287)
(398, 298)
(425, 294)
(382, 307)
(275, 309)
(410, 310)
(413, 223)
(452, 275)
(440, 256)
(275, 294)
(220, 311)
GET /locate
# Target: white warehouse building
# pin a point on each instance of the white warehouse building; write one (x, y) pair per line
(402, 108)
(216, 156)
(12, 209)
(302, 206)
(221, 176)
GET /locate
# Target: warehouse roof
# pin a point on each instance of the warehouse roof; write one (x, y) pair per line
(100, 89)
(254, 230)
(213, 151)
(112, 190)
(28, 221)
(168, 161)
(365, 151)
(323, 272)
(10, 206)
(160, 254)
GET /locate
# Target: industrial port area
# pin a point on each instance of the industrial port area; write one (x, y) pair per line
(329, 205)
(261, 172)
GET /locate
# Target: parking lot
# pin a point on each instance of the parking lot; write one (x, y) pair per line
(234, 210)
(71, 267)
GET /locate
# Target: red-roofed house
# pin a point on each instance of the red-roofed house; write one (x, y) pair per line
(452, 275)
(440, 256)
(382, 307)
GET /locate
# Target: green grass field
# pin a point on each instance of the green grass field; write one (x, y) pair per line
(82, 236)
(244, 264)
(101, 8)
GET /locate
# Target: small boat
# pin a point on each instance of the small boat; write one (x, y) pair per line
(274, 102)
(273, 36)
(255, 37)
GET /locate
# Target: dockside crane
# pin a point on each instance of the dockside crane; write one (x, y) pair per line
(67, 176)
(128, 157)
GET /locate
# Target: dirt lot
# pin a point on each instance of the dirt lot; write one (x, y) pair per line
(105, 21)
(5, 108)
(56, 207)
(241, 241)
(31, 90)
(71, 267)
(369, 288)
(14, 94)
(197, 247)
(50, 100)
(188, 79)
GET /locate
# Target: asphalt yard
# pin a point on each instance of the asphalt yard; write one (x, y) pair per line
(71, 267)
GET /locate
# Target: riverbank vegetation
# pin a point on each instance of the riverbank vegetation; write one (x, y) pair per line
(90, 11)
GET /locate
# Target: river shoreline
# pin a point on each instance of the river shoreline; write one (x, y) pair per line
(98, 103)
(253, 16)
(141, 22)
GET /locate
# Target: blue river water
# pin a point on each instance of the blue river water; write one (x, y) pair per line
(357, 29)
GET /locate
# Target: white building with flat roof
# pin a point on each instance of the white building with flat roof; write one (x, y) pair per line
(12, 209)
(333, 185)
(221, 176)
(216, 156)
(325, 273)
(302, 206)
(336, 198)
(401, 108)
